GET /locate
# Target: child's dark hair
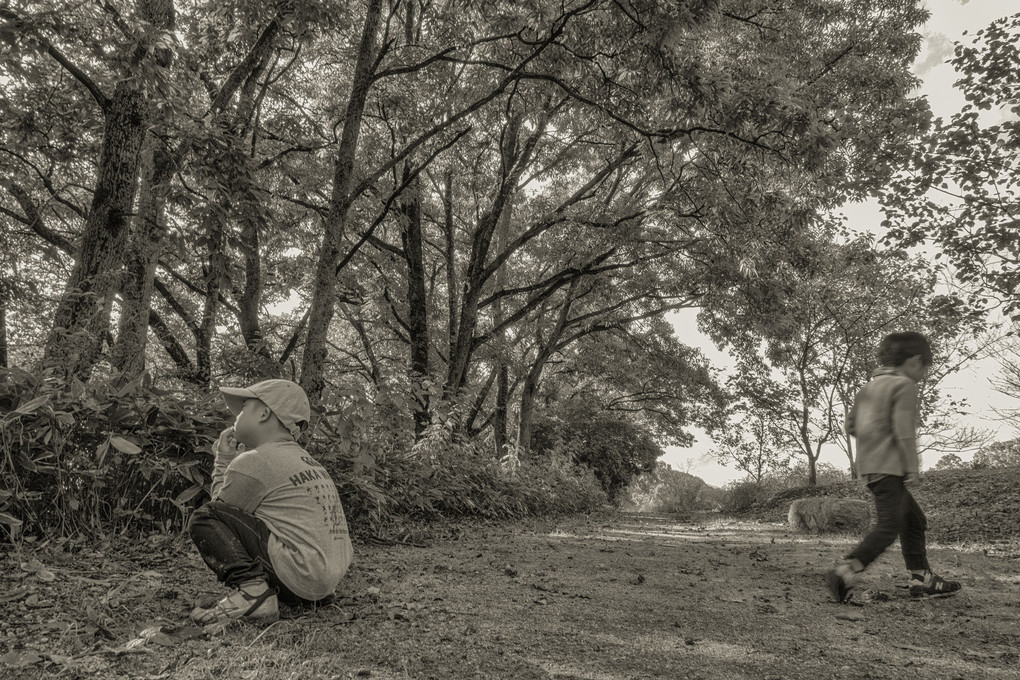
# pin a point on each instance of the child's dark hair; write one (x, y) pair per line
(896, 348)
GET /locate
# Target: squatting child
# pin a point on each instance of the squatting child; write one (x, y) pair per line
(274, 529)
(883, 419)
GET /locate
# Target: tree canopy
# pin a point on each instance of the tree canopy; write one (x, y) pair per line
(959, 190)
(487, 206)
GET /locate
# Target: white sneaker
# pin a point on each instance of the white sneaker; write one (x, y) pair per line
(252, 600)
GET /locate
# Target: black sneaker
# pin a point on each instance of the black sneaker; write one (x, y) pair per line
(933, 585)
(840, 588)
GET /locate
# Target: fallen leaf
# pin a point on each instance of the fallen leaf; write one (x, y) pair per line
(34, 566)
(14, 595)
(21, 659)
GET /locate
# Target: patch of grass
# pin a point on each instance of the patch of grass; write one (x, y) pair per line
(975, 506)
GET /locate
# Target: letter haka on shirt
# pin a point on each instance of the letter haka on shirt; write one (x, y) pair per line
(324, 493)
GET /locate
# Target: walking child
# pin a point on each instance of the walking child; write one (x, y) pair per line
(274, 529)
(883, 419)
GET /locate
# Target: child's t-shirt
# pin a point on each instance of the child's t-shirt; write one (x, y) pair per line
(282, 485)
(883, 419)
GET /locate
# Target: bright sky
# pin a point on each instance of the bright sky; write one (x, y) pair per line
(949, 20)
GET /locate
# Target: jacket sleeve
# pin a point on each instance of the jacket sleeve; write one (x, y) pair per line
(851, 420)
(225, 450)
(904, 424)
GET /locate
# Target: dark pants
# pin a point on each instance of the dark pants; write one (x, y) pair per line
(897, 514)
(235, 545)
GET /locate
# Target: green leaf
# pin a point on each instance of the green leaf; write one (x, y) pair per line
(32, 405)
(124, 446)
(188, 494)
(10, 520)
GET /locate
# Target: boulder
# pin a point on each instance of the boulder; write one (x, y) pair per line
(821, 515)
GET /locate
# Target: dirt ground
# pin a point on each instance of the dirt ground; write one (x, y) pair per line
(612, 597)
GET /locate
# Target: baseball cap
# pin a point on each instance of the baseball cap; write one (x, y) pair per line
(286, 400)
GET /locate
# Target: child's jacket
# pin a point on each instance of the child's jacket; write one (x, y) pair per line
(883, 419)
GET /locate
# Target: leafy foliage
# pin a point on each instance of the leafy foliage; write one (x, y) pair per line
(97, 459)
(100, 459)
(665, 490)
(612, 447)
(752, 443)
(804, 349)
(791, 482)
(440, 218)
(998, 455)
(960, 189)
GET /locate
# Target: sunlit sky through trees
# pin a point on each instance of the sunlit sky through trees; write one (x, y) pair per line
(950, 20)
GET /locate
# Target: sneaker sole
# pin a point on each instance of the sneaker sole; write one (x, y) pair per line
(933, 596)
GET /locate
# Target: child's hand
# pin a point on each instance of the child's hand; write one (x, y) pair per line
(226, 445)
(911, 480)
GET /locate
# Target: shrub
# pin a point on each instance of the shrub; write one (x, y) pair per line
(385, 480)
(615, 449)
(670, 491)
(743, 496)
(97, 458)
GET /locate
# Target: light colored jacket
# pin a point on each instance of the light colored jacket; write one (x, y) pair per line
(884, 421)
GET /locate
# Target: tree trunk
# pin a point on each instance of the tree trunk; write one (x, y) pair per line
(216, 272)
(501, 414)
(530, 388)
(185, 368)
(500, 422)
(324, 292)
(417, 303)
(82, 318)
(253, 214)
(453, 294)
(513, 164)
(250, 299)
(143, 253)
(3, 331)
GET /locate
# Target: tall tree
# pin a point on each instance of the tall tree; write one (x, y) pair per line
(81, 321)
(805, 350)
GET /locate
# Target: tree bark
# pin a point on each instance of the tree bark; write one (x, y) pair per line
(215, 274)
(453, 294)
(324, 292)
(143, 253)
(531, 382)
(417, 303)
(3, 331)
(185, 367)
(514, 161)
(501, 418)
(82, 318)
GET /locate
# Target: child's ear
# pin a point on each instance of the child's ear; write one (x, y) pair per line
(265, 413)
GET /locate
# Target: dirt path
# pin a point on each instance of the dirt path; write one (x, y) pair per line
(636, 596)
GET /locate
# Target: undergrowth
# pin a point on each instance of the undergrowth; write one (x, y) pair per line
(962, 506)
(99, 459)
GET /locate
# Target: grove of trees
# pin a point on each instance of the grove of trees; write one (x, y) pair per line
(455, 219)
